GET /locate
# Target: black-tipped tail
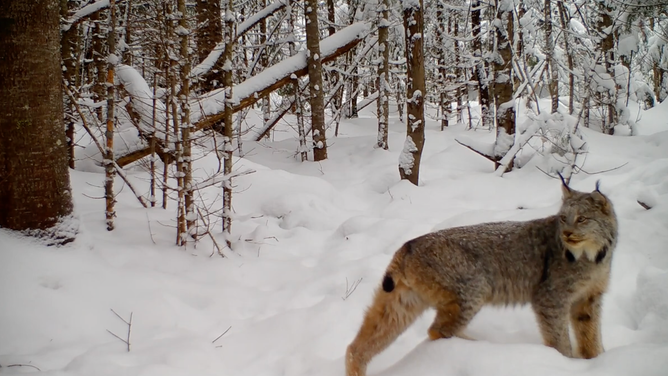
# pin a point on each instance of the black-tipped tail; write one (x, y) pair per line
(388, 283)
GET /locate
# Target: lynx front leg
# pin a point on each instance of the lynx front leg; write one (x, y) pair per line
(553, 323)
(389, 315)
(586, 321)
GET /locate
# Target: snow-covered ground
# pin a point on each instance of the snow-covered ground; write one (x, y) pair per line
(305, 234)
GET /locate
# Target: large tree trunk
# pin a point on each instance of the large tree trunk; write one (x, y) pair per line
(34, 178)
(409, 161)
(481, 77)
(503, 83)
(383, 76)
(207, 36)
(317, 99)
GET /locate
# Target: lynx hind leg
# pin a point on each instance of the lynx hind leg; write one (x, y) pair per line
(452, 314)
(586, 321)
(388, 316)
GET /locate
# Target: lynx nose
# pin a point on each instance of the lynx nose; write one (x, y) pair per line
(568, 233)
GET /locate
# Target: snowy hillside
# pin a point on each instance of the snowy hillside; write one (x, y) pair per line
(305, 235)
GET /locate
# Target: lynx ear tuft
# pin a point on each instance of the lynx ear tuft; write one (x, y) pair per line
(565, 190)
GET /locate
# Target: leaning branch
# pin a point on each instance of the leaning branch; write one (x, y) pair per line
(208, 63)
(259, 86)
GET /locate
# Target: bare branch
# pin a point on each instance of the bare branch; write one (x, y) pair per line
(225, 332)
(23, 365)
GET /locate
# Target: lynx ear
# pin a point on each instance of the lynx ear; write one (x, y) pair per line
(565, 190)
(600, 200)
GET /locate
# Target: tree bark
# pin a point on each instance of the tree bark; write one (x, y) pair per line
(483, 88)
(109, 170)
(186, 126)
(444, 99)
(69, 44)
(383, 76)
(227, 121)
(34, 178)
(552, 60)
(409, 161)
(607, 45)
(314, 63)
(503, 82)
(569, 57)
(99, 55)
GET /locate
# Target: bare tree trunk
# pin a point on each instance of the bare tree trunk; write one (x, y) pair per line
(334, 76)
(176, 129)
(127, 52)
(99, 56)
(186, 126)
(483, 89)
(303, 148)
(383, 76)
(152, 141)
(552, 61)
(34, 177)
(569, 57)
(409, 161)
(228, 125)
(317, 99)
(444, 100)
(607, 45)
(458, 70)
(264, 61)
(69, 43)
(109, 170)
(503, 83)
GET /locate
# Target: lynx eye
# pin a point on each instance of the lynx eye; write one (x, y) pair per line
(562, 218)
(582, 219)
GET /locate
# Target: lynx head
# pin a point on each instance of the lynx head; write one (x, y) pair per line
(587, 224)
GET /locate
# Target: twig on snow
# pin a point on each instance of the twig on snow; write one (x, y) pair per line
(128, 323)
(350, 289)
(23, 365)
(220, 336)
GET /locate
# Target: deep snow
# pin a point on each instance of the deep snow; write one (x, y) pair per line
(303, 232)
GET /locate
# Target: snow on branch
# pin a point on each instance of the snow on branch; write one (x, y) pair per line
(261, 15)
(141, 98)
(251, 90)
(211, 106)
(207, 64)
(83, 13)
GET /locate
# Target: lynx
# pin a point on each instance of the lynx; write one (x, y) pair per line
(559, 264)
